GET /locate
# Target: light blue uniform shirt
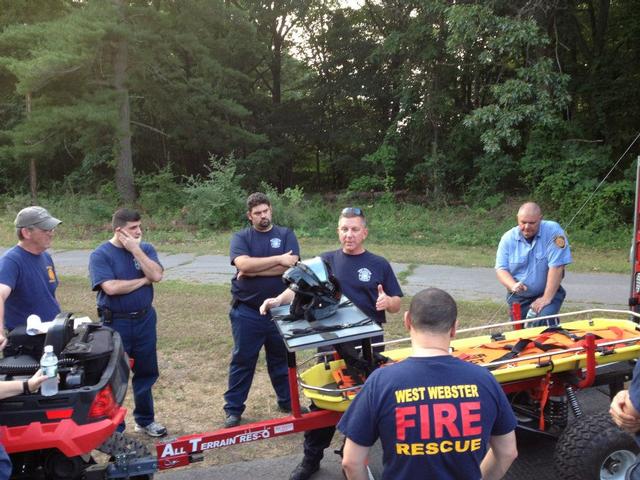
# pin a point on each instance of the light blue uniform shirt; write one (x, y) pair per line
(529, 262)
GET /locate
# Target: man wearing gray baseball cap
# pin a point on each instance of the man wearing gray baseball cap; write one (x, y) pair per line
(28, 279)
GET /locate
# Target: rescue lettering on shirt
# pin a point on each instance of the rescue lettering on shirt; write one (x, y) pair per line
(441, 426)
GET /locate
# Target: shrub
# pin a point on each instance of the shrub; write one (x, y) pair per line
(216, 201)
(160, 193)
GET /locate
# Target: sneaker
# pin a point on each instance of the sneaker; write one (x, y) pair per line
(286, 408)
(304, 470)
(154, 429)
(232, 420)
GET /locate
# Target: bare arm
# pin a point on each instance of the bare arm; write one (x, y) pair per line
(14, 387)
(623, 413)
(122, 287)
(151, 269)
(510, 283)
(5, 290)
(554, 277)
(284, 298)
(276, 271)
(354, 461)
(250, 265)
(502, 452)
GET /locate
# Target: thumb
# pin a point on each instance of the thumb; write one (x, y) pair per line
(380, 290)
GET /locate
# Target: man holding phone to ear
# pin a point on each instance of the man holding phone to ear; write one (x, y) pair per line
(123, 271)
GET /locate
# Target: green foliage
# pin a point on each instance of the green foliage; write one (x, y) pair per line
(536, 97)
(160, 191)
(215, 201)
(288, 207)
(568, 176)
(455, 101)
(384, 160)
(366, 183)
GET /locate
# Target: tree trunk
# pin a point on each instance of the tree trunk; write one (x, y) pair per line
(33, 173)
(124, 162)
(276, 70)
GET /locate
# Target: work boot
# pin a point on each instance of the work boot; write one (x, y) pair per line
(304, 470)
(232, 420)
(286, 408)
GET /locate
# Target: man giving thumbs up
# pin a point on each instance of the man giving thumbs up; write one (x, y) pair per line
(369, 282)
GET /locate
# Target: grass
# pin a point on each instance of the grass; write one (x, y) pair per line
(194, 345)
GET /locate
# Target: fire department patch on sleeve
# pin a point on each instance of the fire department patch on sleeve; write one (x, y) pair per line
(560, 241)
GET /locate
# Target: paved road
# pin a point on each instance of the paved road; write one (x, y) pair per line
(606, 290)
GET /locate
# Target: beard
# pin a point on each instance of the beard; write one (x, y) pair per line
(264, 223)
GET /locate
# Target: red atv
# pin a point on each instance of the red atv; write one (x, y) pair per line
(54, 437)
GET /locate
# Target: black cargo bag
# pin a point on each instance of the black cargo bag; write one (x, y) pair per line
(92, 347)
(19, 343)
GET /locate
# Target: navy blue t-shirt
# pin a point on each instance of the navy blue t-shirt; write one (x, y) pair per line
(255, 290)
(634, 392)
(359, 277)
(108, 262)
(434, 417)
(33, 282)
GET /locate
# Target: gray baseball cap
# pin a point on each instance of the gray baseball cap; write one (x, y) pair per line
(36, 217)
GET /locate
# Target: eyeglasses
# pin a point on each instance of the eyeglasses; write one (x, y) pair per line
(352, 212)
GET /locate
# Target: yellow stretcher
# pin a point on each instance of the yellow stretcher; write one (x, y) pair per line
(539, 351)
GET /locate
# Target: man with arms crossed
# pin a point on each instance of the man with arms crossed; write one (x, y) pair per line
(530, 264)
(261, 253)
(369, 282)
(435, 415)
(28, 279)
(123, 271)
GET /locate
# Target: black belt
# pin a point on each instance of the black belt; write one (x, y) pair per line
(107, 315)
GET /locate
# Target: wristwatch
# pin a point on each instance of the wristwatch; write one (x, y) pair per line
(25, 387)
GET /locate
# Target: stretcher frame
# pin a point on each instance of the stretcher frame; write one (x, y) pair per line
(583, 366)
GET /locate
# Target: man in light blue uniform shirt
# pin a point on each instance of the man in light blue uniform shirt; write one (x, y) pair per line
(530, 263)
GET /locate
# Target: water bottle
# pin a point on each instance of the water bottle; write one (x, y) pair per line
(49, 366)
(531, 314)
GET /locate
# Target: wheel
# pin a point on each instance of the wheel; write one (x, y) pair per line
(119, 443)
(594, 448)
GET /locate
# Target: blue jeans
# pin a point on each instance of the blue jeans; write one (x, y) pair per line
(551, 309)
(5, 464)
(250, 332)
(139, 339)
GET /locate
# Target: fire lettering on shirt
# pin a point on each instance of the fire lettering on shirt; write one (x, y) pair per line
(439, 420)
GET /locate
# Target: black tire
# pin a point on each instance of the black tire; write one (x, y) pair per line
(594, 448)
(119, 443)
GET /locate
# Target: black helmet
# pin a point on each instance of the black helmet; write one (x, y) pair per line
(317, 292)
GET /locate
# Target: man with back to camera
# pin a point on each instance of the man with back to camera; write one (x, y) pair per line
(27, 272)
(436, 416)
(369, 282)
(123, 271)
(261, 253)
(530, 263)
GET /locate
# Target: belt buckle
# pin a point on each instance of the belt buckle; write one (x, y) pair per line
(135, 315)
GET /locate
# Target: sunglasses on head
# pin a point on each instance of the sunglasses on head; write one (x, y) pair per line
(352, 212)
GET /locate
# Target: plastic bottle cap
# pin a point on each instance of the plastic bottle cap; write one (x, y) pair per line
(48, 348)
